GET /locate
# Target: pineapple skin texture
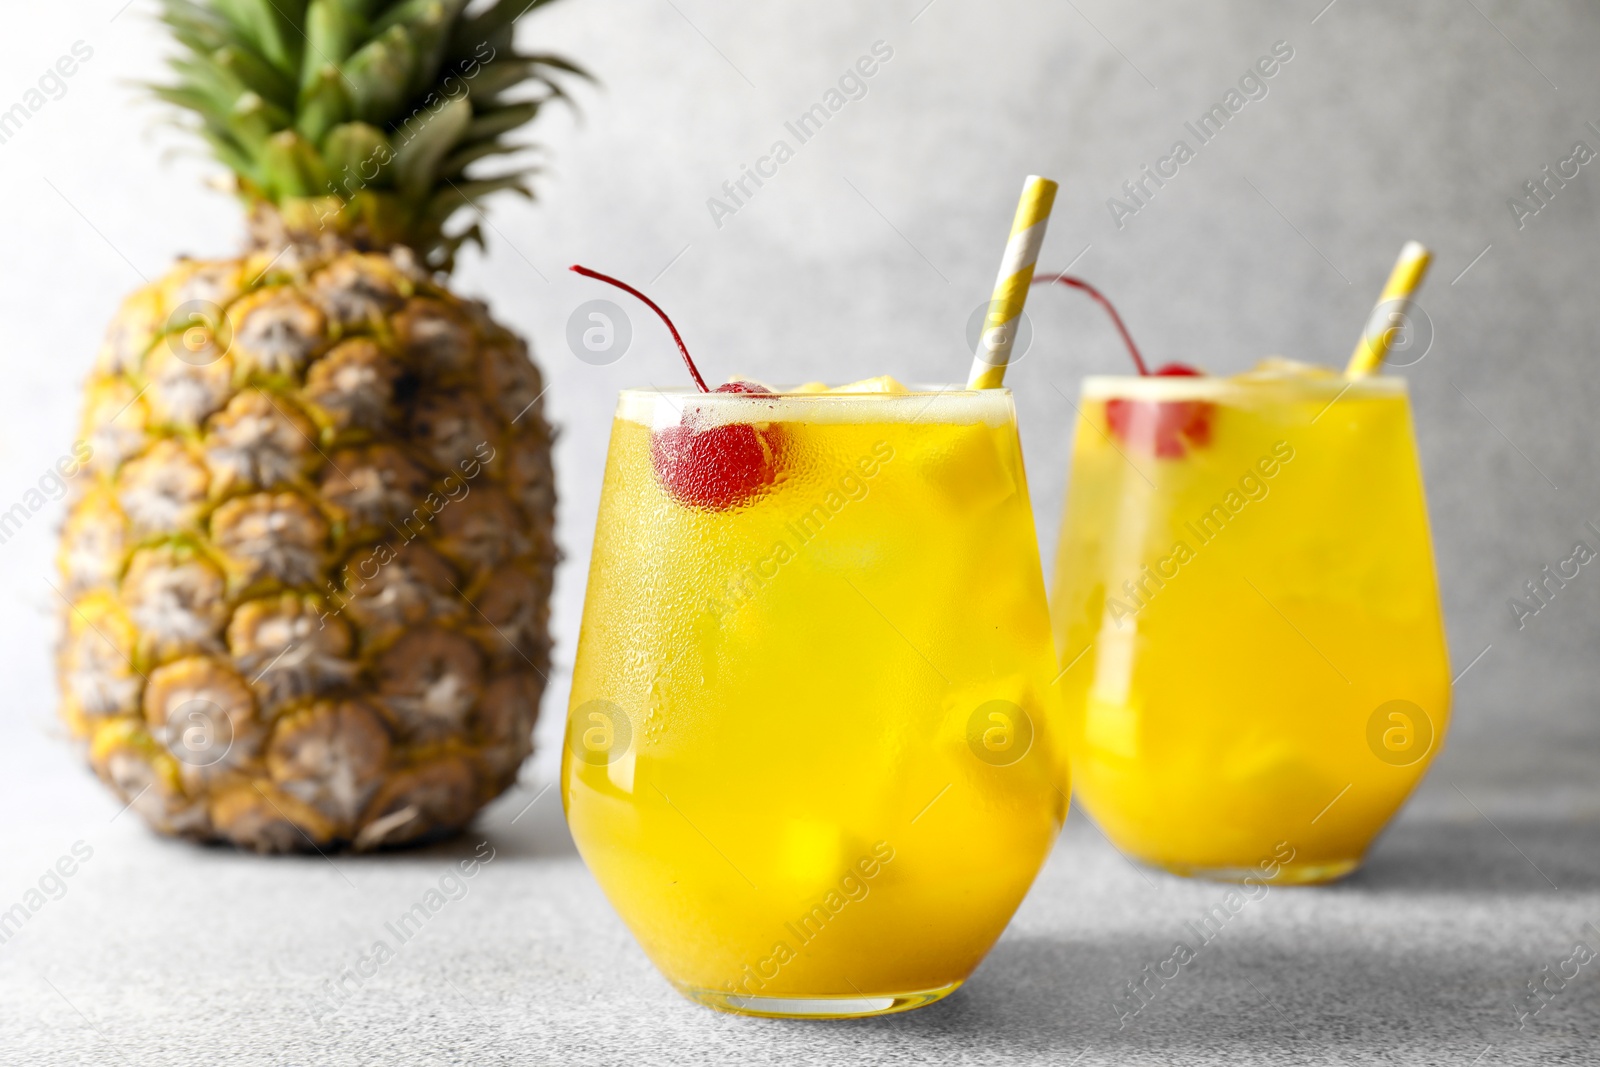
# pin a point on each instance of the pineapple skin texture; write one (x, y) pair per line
(307, 567)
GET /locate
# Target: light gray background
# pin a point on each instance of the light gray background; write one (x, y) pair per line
(866, 255)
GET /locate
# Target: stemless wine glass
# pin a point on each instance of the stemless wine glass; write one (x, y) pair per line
(1245, 605)
(808, 754)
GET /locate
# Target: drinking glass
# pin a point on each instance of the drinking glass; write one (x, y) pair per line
(1246, 611)
(809, 755)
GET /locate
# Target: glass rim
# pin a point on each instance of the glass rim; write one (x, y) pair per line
(1175, 387)
(659, 408)
(921, 389)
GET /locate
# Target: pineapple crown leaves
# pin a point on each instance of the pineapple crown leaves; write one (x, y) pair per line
(378, 111)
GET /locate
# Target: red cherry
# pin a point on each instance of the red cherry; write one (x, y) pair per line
(1164, 428)
(719, 467)
(715, 467)
(741, 385)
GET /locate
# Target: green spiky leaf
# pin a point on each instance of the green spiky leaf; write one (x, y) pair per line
(226, 149)
(215, 87)
(198, 27)
(255, 73)
(387, 105)
(502, 120)
(358, 157)
(428, 23)
(324, 104)
(332, 33)
(417, 160)
(291, 167)
(253, 120)
(270, 25)
(360, 9)
(457, 195)
(456, 163)
(378, 74)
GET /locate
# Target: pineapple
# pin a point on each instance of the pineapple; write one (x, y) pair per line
(307, 569)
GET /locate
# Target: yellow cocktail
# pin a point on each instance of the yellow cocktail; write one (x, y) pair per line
(1246, 608)
(809, 757)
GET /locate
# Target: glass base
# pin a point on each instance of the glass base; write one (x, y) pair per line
(817, 1007)
(1288, 874)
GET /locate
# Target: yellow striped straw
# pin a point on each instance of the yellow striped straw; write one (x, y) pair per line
(1391, 310)
(1011, 286)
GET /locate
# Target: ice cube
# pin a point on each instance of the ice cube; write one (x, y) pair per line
(1274, 367)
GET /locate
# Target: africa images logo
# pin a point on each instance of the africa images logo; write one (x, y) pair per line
(851, 86)
(1252, 85)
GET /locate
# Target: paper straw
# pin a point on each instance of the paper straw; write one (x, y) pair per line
(1392, 307)
(1011, 285)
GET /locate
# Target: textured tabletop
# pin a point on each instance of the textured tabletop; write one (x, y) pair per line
(162, 953)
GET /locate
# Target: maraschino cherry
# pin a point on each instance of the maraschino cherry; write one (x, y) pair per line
(714, 467)
(1164, 428)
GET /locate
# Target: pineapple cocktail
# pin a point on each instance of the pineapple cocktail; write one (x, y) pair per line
(808, 755)
(1245, 597)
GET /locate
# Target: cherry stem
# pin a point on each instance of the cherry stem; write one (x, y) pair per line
(651, 304)
(1079, 283)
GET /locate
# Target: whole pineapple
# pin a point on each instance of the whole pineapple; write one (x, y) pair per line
(309, 564)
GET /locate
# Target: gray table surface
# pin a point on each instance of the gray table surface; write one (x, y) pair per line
(162, 953)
